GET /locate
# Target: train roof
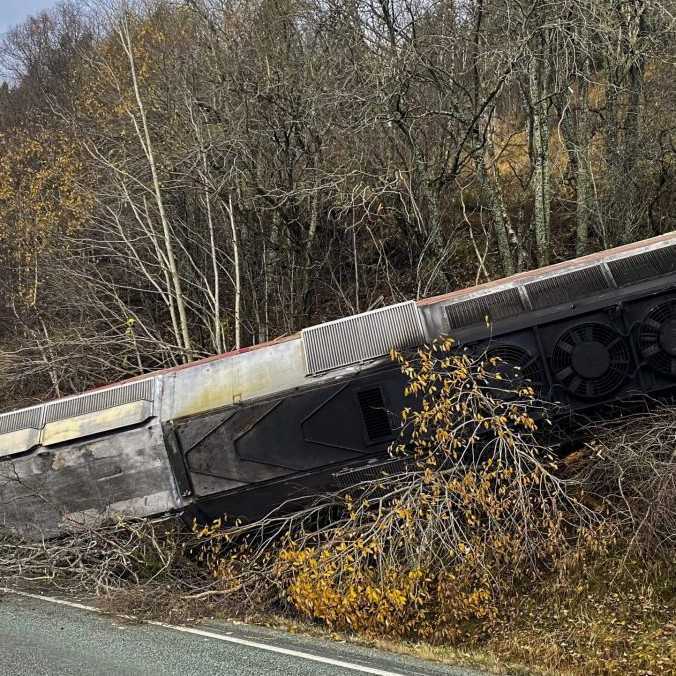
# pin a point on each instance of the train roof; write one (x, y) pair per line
(666, 241)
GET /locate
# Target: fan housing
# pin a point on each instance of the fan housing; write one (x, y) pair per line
(657, 338)
(514, 362)
(591, 360)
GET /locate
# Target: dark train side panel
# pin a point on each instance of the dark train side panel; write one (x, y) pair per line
(244, 460)
(279, 443)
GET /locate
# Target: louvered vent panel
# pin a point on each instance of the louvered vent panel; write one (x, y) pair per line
(362, 337)
(397, 326)
(99, 401)
(566, 288)
(495, 306)
(643, 266)
(375, 416)
(351, 477)
(28, 418)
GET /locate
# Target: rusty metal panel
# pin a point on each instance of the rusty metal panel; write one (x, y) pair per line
(88, 482)
(76, 417)
(19, 441)
(107, 420)
(362, 337)
(237, 379)
(97, 412)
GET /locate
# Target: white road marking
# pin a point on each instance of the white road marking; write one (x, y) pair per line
(210, 634)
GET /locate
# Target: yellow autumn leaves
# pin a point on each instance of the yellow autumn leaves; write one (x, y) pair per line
(435, 549)
(43, 199)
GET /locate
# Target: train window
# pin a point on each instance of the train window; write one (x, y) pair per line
(374, 414)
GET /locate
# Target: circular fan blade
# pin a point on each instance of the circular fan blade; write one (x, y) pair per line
(591, 360)
(575, 383)
(565, 373)
(657, 338)
(515, 363)
(566, 347)
(652, 350)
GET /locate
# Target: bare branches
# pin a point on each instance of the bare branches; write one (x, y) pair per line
(631, 464)
(209, 175)
(104, 559)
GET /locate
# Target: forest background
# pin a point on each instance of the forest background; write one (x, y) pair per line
(178, 179)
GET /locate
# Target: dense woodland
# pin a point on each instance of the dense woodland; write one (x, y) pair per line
(183, 178)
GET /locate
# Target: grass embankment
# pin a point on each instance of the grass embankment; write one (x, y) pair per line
(620, 618)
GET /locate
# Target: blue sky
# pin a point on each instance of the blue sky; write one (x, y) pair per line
(15, 11)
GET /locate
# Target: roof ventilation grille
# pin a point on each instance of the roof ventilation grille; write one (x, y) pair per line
(566, 288)
(362, 337)
(28, 418)
(99, 401)
(644, 266)
(493, 307)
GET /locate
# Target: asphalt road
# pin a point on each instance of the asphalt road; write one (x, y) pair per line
(41, 637)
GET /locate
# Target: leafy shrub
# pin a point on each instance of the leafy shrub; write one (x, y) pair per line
(433, 550)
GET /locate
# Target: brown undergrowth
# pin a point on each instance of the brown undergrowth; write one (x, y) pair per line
(479, 540)
(615, 616)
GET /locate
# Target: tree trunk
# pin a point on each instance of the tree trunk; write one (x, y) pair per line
(537, 77)
(238, 277)
(577, 137)
(146, 143)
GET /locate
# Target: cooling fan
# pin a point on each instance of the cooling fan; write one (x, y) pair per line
(591, 360)
(657, 338)
(514, 363)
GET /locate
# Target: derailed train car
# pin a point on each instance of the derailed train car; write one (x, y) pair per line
(243, 432)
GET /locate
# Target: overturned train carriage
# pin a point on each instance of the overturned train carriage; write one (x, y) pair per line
(243, 432)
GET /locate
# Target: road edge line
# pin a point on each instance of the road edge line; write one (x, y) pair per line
(209, 634)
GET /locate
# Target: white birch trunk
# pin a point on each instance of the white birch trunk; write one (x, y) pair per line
(146, 143)
(537, 70)
(238, 279)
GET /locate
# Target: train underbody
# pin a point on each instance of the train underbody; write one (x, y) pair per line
(245, 432)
